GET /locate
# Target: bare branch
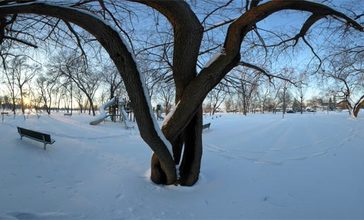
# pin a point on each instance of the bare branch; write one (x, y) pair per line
(216, 9)
(270, 76)
(219, 24)
(119, 26)
(20, 41)
(187, 31)
(359, 16)
(261, 40)
(210, 49)
(313, 51)
(307, 25)
(78, 40)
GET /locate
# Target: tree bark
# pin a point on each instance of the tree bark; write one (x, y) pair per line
(358, 105)
(188, 33)
(191, 161)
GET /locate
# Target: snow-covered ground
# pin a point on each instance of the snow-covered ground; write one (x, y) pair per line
(259, 166)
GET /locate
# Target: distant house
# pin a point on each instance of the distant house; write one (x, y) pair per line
(318, 107)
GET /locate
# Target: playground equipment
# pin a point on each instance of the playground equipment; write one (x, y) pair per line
(121, 113)
(103, 113)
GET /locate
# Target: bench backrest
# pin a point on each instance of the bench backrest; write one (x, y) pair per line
(35, 134)
(206, 125)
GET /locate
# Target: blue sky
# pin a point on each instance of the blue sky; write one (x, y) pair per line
(283, 21)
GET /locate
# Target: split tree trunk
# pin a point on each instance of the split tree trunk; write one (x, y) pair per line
(187, 151)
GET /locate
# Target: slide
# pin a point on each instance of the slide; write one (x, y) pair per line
(127, 122)
(98, 119)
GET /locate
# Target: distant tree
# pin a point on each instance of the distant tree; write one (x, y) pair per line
(79, 96)
(285, 98)
(229, 104)
(270, 105)
(165, 94)
(348, 76)
(331, 105)
(207, 107)
(75, 69)
(296, 105)
(35, 100)
(301, 86)
(22, 74)
(47, 85)
(248, 87)
(10, 85)
(264, 96)
(216, 97)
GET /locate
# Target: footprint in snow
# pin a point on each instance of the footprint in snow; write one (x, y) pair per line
(48, 181)
(119, 195)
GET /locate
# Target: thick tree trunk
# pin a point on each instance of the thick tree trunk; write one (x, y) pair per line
(191, 161)
(157, 174)
(187, 40)
(190, 143)
(2, 28)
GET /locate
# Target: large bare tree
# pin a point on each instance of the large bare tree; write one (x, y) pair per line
(183, 129)
(74, 69)
(20, 75)
(348, 76)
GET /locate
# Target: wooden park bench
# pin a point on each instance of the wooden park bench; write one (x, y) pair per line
(35, 135)
(67, 114)
(206, 126)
